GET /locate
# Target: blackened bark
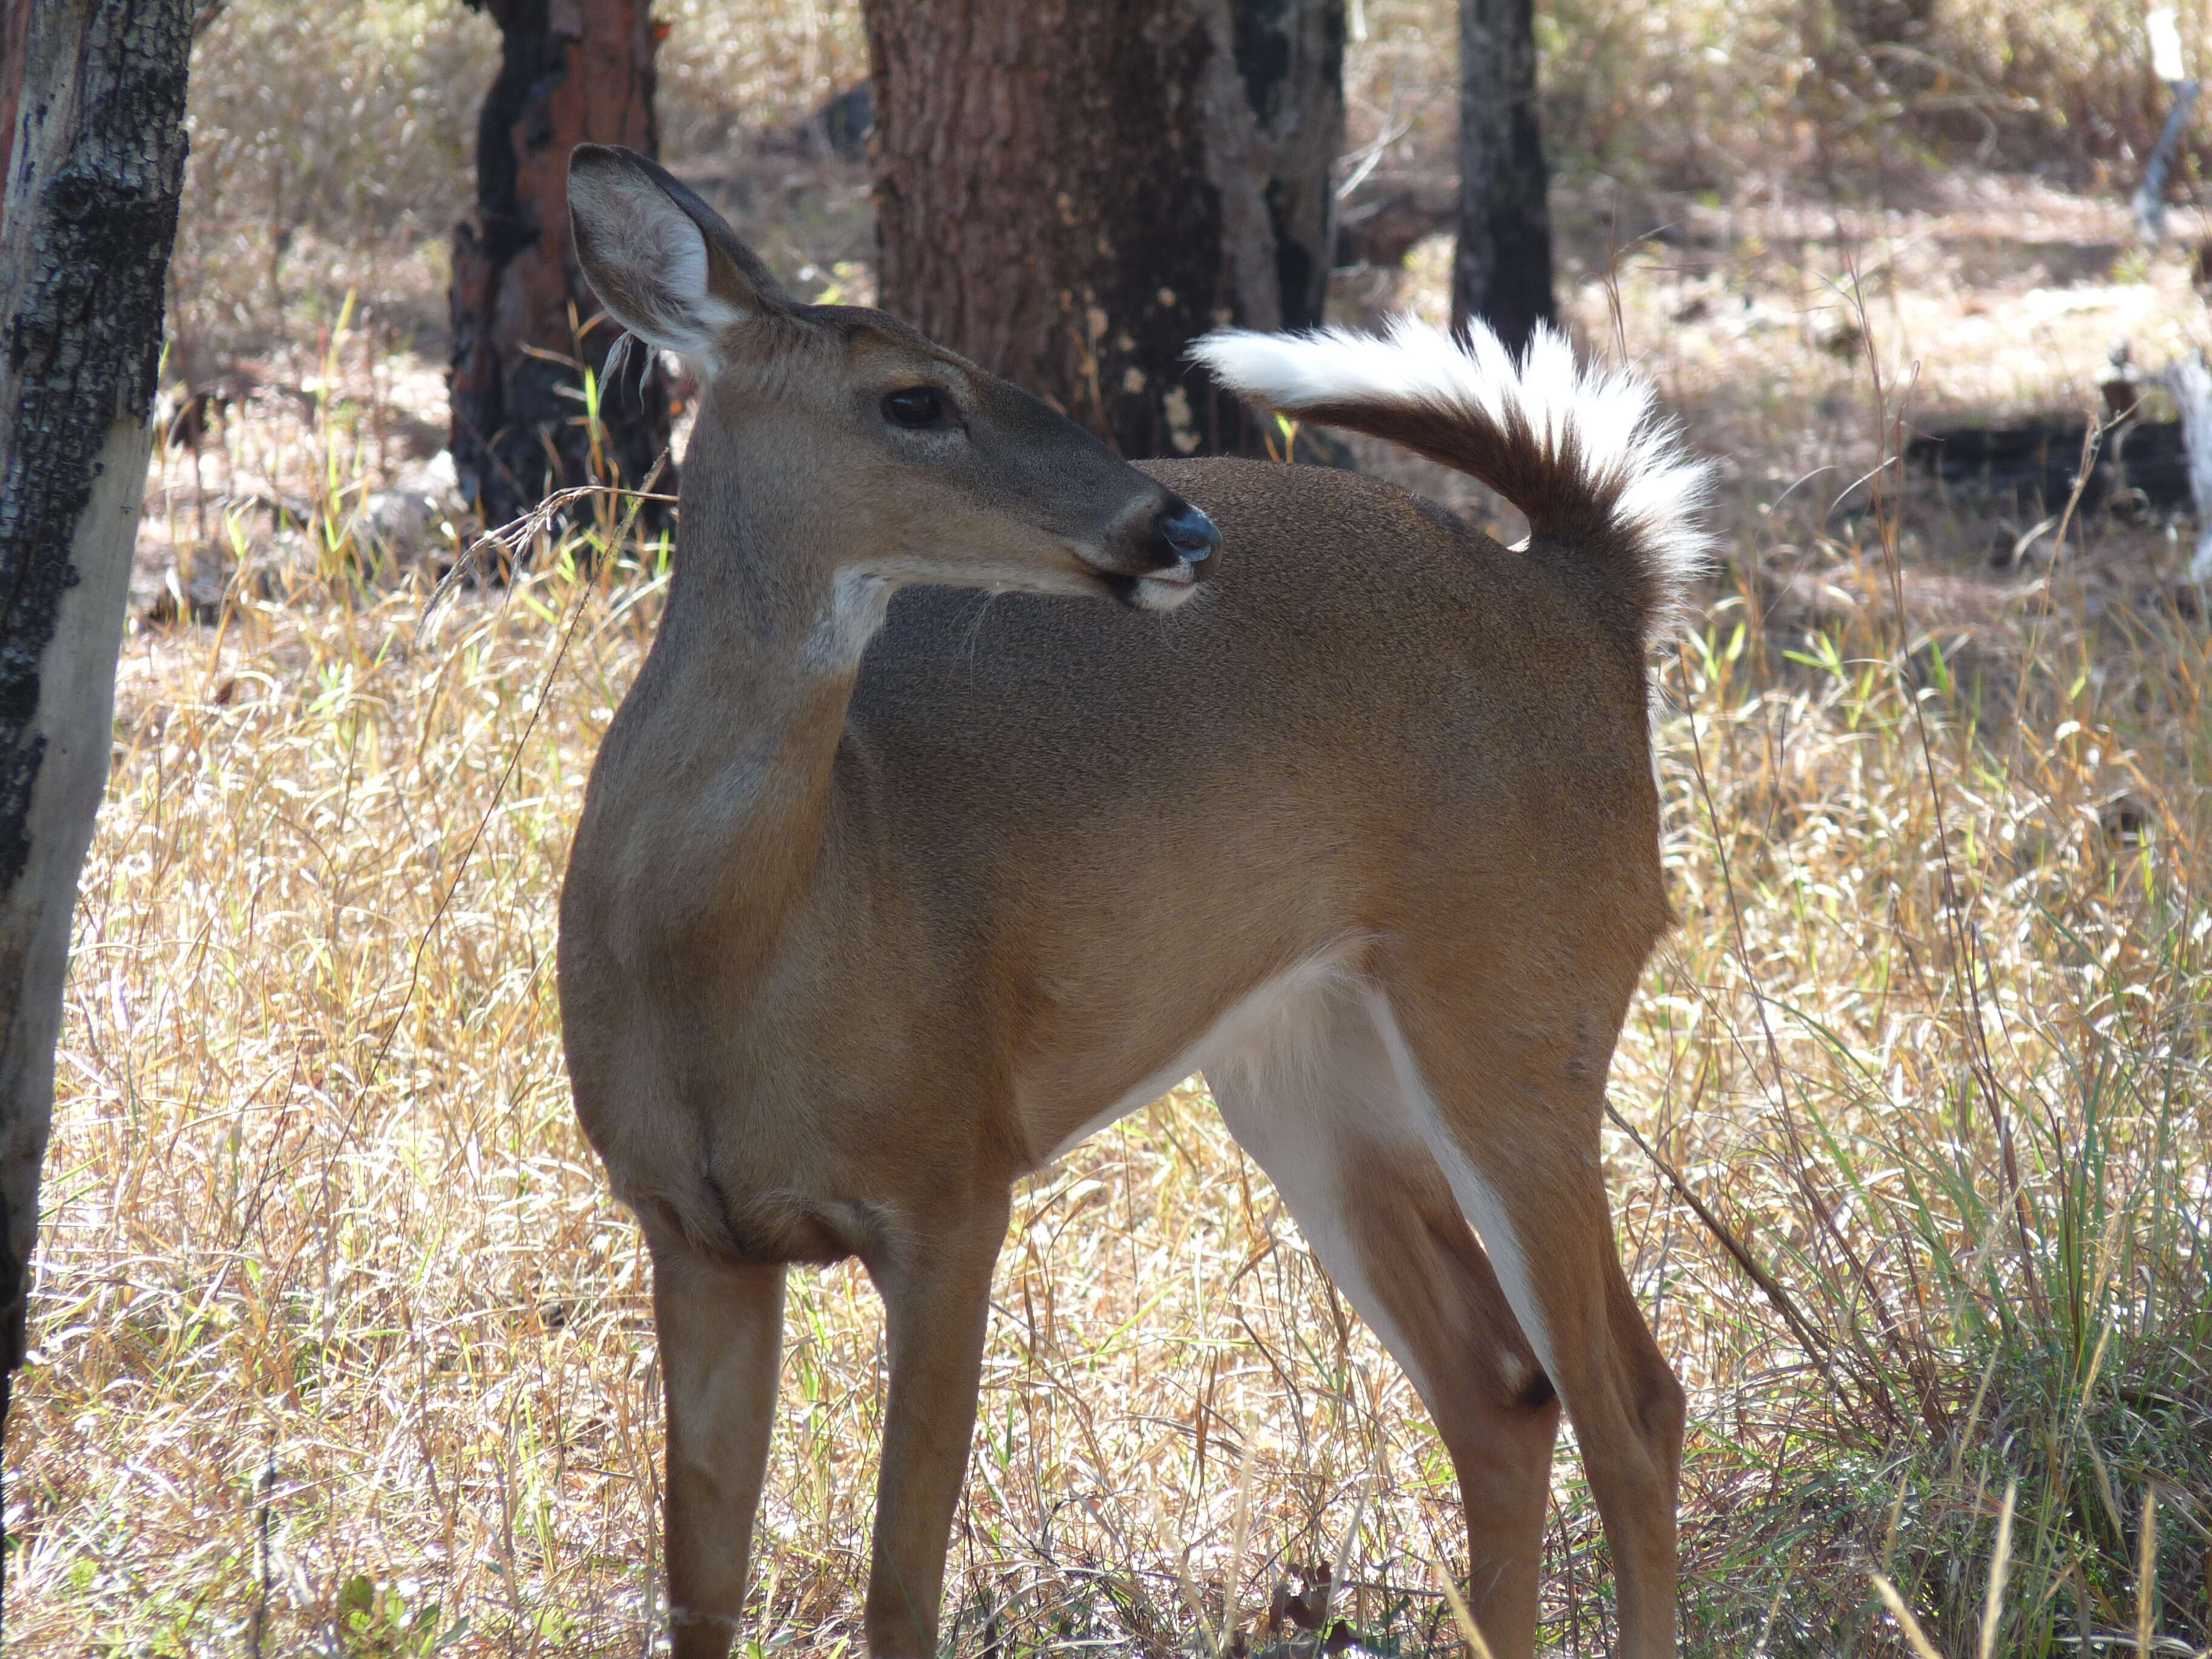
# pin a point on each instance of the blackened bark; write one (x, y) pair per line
(525, 324)
(96, 159)
(1290, 54)
(1503, 271)
(1071, 193)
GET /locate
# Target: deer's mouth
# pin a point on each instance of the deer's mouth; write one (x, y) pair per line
(1178, 544)
(1160, 590)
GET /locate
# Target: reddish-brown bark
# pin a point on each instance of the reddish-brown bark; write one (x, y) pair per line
(14, 35)
(1071, 193)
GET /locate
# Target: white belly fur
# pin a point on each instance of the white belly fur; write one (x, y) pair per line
(1268, 1023)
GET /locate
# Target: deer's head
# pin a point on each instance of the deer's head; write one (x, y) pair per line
(856, 442)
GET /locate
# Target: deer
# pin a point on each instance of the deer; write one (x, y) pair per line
(979, 786)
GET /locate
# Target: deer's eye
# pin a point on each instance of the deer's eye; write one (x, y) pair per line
(914, 406)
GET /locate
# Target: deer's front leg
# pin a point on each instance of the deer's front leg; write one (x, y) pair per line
(937, 1300)
(721, 1326)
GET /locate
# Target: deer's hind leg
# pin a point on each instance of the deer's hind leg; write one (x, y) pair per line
(1510, 1108)
(1319, 1106)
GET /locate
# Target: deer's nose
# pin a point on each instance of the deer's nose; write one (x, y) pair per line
(1188, 534)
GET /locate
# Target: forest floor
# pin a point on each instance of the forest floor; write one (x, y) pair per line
(340, 1347)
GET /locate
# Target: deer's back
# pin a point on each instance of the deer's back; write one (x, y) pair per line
(1362, 664)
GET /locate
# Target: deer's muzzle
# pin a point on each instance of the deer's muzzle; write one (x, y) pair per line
(1187, 534)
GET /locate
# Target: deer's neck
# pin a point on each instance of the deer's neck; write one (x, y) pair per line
(742, 708)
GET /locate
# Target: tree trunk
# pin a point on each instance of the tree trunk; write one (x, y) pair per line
(14, 37)
(1290, 54)
(525, 324)
(1071, 193)
(96, 163)
(1503, 271)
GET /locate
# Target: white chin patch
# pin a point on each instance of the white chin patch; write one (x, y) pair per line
(1152, 594)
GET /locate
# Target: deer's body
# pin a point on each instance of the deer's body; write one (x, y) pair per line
(1056, 944)
(875, 906)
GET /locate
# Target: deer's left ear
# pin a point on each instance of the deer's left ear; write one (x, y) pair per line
(667, 267)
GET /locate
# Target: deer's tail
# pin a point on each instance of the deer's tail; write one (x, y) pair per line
(1581, 451)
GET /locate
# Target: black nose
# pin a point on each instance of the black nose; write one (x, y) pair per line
(1188, 534)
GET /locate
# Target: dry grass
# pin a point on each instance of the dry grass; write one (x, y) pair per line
(340, 1347)
(1784, 98)
(333, 149)
(330, 1268)
(330, 143)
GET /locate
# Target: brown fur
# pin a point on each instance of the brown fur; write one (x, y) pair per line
(847, 946)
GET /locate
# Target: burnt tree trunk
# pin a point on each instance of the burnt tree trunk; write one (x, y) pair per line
(1071, 193)
(525, 324)
(15, 37)
(96, 160)
(1503, 271)
(1290, 56)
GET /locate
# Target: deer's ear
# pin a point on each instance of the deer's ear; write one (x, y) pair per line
(667, 266)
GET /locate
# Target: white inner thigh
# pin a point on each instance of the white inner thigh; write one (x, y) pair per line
(1305, 1088)
(1478, 1200)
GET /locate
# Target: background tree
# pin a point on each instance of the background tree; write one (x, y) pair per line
(1071, 193)
(524, 318)
(95, 164)
(1502, 272)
